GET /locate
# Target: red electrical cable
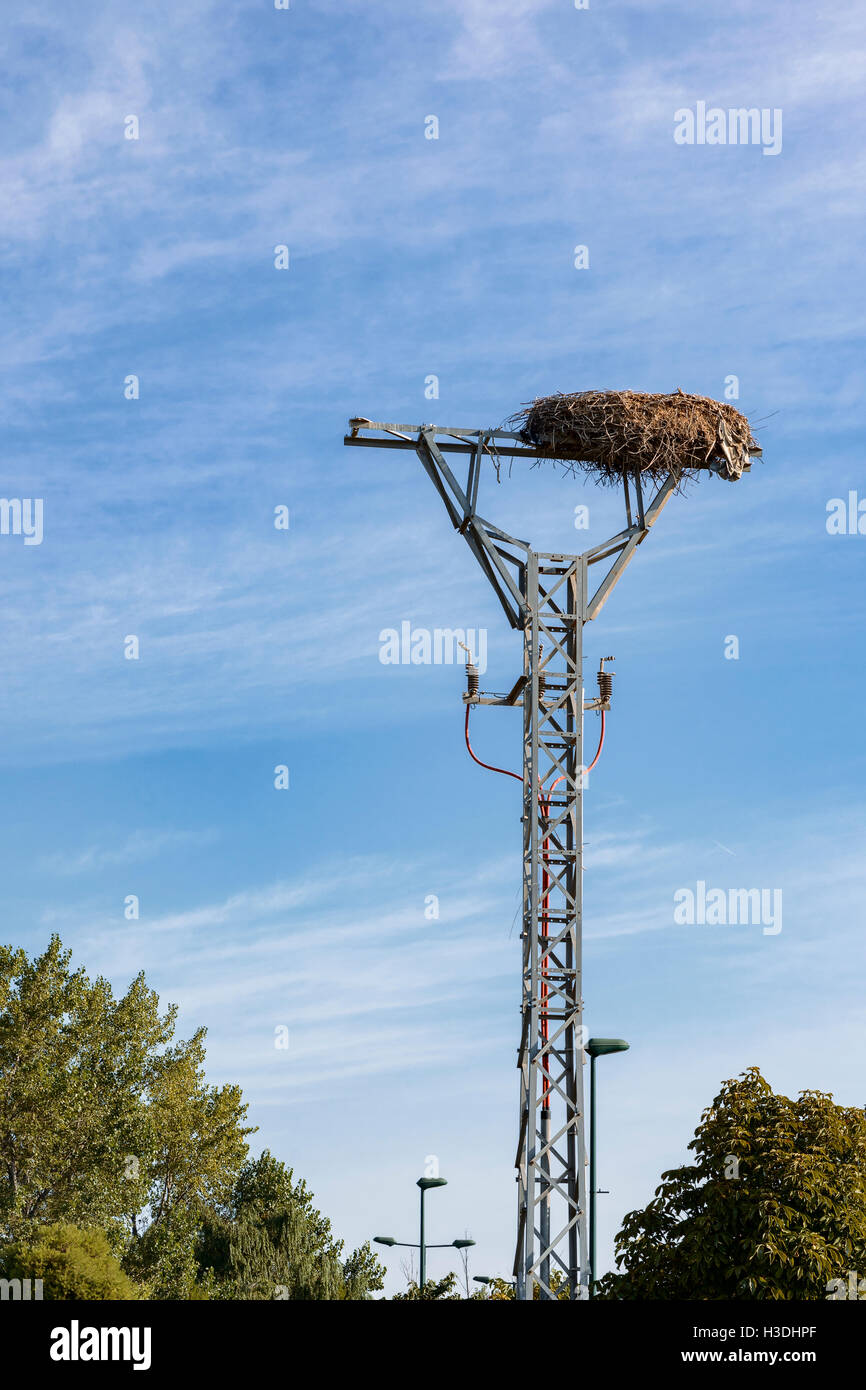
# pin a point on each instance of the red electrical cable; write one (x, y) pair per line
(516, 775)
(489, 766)
(600, 746)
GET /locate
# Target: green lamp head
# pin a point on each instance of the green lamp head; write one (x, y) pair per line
(462, 1244)
(384, 1240)
(600, 1047)
(424, 1183)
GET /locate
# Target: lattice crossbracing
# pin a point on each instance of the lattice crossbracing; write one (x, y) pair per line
(546, 596)
(550, 1158)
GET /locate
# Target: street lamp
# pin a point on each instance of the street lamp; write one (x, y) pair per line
(425, 1184)
(423, 1246)
(596, 1047)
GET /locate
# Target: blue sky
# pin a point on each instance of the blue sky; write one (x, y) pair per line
(411, 257)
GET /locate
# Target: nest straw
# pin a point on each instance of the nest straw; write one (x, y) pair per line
(614, 434)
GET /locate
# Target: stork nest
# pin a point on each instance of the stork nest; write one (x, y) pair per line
(615, 434)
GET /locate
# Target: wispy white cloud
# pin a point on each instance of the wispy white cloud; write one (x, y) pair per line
(345, 958)
(139, 846)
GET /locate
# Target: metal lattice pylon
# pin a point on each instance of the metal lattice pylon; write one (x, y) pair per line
(550, 1154)
(546, 596)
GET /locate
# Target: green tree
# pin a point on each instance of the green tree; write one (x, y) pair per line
(271, 1242)
(497, 1291)
(501, 1289)
(105, 1119)
(72, 1263)
(73, 1066)
(162, 1257)
(774, 1206)
(363, 1274)
(434, 1290)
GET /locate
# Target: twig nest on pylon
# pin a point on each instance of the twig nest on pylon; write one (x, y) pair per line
(612, 434)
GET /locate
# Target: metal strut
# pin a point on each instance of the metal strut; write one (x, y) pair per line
(549, 598)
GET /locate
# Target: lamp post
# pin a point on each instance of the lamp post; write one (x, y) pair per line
(423, 1246)
(425, 1184)
(596, 1047)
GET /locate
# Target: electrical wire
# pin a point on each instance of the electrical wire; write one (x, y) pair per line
(488, 766)
(600, 746)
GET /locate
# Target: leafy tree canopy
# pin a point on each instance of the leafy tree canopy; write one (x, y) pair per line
(271, 1242)
(497, 1291)
(107, 1121)
(774, 1206)
(434, 1290)
(70, 1262)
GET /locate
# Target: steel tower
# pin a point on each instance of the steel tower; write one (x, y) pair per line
(549, 597)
